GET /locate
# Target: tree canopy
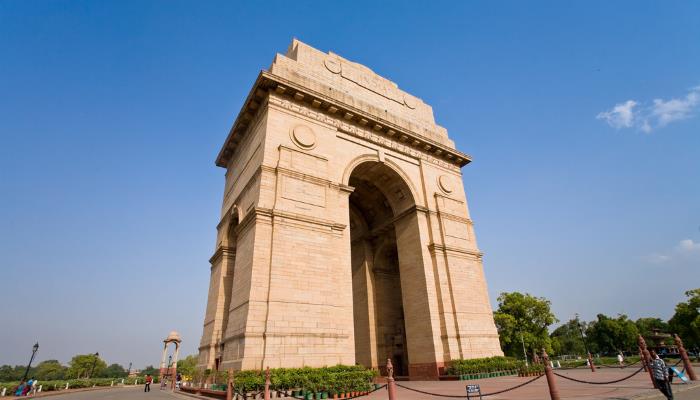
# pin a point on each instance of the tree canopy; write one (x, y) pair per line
(609, 335)
(566, 339)
(85, 366)
(686, 320)
(522, 318)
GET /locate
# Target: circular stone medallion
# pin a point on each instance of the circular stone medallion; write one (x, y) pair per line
(303, 137)
(445, 183)
(409, 102)
(332, 65)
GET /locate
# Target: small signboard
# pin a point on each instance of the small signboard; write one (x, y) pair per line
(473, 390)
(679, 374)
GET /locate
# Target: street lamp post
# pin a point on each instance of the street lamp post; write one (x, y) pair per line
(585, 345)
(128, 371)
(35, 348)
(94, 361)
(524, 352)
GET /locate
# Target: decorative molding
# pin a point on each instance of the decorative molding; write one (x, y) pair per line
(360, 132)
(389, 134)
(222, 251)
(435, 247)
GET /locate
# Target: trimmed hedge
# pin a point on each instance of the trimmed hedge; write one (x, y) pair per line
(333, 380)
(49, 386)
(483, 365)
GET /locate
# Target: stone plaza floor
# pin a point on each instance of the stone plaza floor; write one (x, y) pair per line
(636, 388)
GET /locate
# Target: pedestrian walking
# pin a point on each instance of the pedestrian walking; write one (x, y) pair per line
(149, 379)
(660, 372)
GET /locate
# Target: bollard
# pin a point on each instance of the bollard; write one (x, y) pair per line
(646, 358)
(66, 385)
(267, 383)
(3, 392)
(590, 362)
(390, 384)
(40, 387)
(641, 359)
(229, 384)
(111, 383)
(684, 356)
(549, 374)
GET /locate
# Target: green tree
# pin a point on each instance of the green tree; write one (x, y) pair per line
(113, 371)
(686, 320)
(522, 318)
(187, 365)
(610, 335)
(50, 370)
(82, 365)
(646, 327)
(150, 370)
(9, 373)
(566, 339)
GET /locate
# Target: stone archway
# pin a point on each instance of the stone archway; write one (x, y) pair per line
(380, 199)
(352, 215)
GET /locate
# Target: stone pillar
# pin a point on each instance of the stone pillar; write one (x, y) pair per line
(390, 384)
(162, 361)
(646, 358)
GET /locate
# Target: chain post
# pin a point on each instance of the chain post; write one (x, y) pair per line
(229, 385)
(267, 383)
(390, 383)
(647, 358)
(684, 356)
(553, 390)
(590, 362)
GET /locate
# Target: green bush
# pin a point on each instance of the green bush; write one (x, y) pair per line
(335, 379)
(483, 365)
(531, 369)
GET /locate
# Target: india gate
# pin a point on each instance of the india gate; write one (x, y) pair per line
(345, 236)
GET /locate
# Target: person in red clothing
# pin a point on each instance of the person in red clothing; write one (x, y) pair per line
(149, 379)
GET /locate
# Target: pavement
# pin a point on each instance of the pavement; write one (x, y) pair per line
(636, 388)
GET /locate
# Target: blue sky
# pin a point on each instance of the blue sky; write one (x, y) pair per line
(582, 118)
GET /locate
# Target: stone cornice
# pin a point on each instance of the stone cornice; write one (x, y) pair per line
(221, 252)
(345, 117)
(434, 247)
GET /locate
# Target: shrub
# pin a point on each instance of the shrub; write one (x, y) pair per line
(335, 379)
(483, 365)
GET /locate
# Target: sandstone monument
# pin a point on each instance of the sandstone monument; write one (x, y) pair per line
(345, 235)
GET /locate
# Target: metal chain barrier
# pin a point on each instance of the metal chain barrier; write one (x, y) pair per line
(462, 396)
(599, 383)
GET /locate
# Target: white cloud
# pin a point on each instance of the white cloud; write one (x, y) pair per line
(683, 250)
(647, 118)
(688, 246)
(621, 116)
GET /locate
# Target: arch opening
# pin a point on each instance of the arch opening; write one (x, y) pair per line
(380, 198)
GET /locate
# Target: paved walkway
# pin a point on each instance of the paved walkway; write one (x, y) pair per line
(637, 388)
